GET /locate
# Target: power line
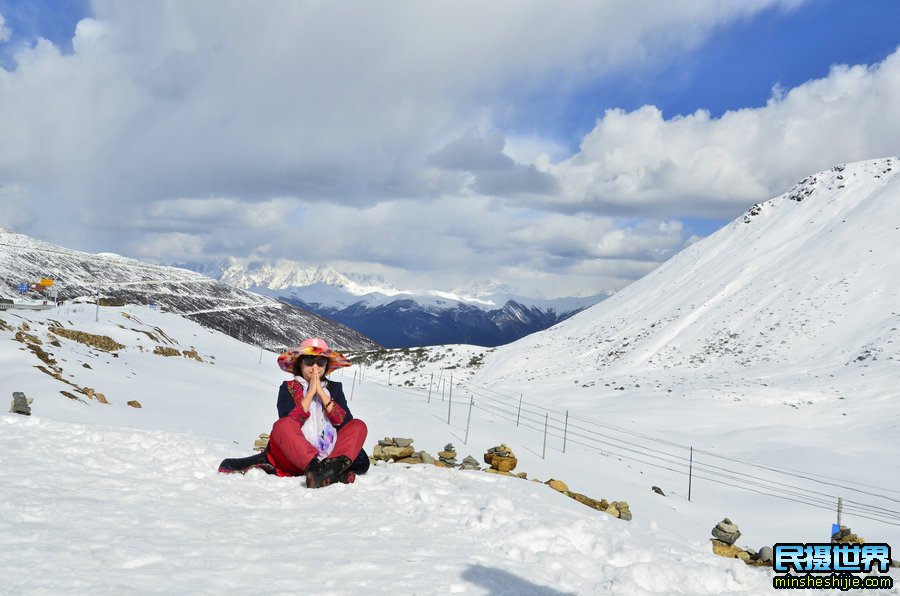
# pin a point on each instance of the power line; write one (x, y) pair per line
(611, 445)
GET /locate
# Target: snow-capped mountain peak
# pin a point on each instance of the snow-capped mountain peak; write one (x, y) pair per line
(477, 313)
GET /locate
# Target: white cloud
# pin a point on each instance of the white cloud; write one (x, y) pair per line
(182, 129)
(448, 242)
(5, 32)
(189, 99)
(638, 162)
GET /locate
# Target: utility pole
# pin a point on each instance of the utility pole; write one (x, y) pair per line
(690, 473)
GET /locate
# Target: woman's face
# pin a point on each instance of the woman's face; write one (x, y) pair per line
(313, 365)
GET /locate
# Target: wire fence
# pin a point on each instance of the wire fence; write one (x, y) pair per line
(564, 428)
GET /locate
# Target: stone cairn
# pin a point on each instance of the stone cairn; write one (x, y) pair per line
(725, 534)
(262, 442)
(400, 450)
(846, 536)
(501, 459)
(448, 456)
(20, 404)
(470, 463)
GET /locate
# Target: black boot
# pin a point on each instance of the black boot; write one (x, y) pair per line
(329, 471)
(347, 470)
(243, 464)
(317, 475)
(338, 465)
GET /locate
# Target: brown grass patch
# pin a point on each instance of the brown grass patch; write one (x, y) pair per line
(164, 351)
(101, 342)
(72, 396)
(27, 338)
(192, 354)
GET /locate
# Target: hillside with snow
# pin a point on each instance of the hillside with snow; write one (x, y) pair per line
(806, 279)
(252, 317)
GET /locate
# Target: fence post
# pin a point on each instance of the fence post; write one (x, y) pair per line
(690, 473)
(389, 378)
(430, 383)
(546, 419)
(469, 419)
(519, 413)
(565, 431)
(353, 385)
(450, 400)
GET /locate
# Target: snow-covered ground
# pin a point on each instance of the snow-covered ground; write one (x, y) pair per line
(108, 498)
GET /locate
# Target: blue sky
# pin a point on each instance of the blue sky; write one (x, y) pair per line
(736, 67)
(539, 144)
(31, 19)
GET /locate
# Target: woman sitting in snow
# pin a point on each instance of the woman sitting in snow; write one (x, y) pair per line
(315, 434)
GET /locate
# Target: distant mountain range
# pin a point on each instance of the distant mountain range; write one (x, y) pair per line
(486, 313)
(256, 319)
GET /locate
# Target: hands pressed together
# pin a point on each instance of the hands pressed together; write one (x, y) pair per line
(315, 388)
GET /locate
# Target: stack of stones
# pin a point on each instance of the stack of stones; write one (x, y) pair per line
(725, 534)
(845, 536)
(20, 404)
(619, 509)
(262, 442)
(726, 531)
(501, 459)
(394, 449)
(448, 456)
(470, 463)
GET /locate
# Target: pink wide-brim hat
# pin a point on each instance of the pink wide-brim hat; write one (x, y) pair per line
(314, 346)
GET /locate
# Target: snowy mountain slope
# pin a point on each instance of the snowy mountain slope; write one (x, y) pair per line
(136, 488)
(216, 305)
(808, 278)
(484, 313)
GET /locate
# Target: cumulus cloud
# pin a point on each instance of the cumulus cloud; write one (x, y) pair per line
(639, 162)
(200, 98)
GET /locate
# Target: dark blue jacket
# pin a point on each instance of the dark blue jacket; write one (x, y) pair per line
(336, 390)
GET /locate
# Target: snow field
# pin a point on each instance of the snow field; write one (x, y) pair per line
(96, 509)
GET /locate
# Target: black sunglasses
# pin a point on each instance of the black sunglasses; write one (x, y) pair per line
(322, 361)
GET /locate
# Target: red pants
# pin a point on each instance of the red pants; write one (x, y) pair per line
(290, 452)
